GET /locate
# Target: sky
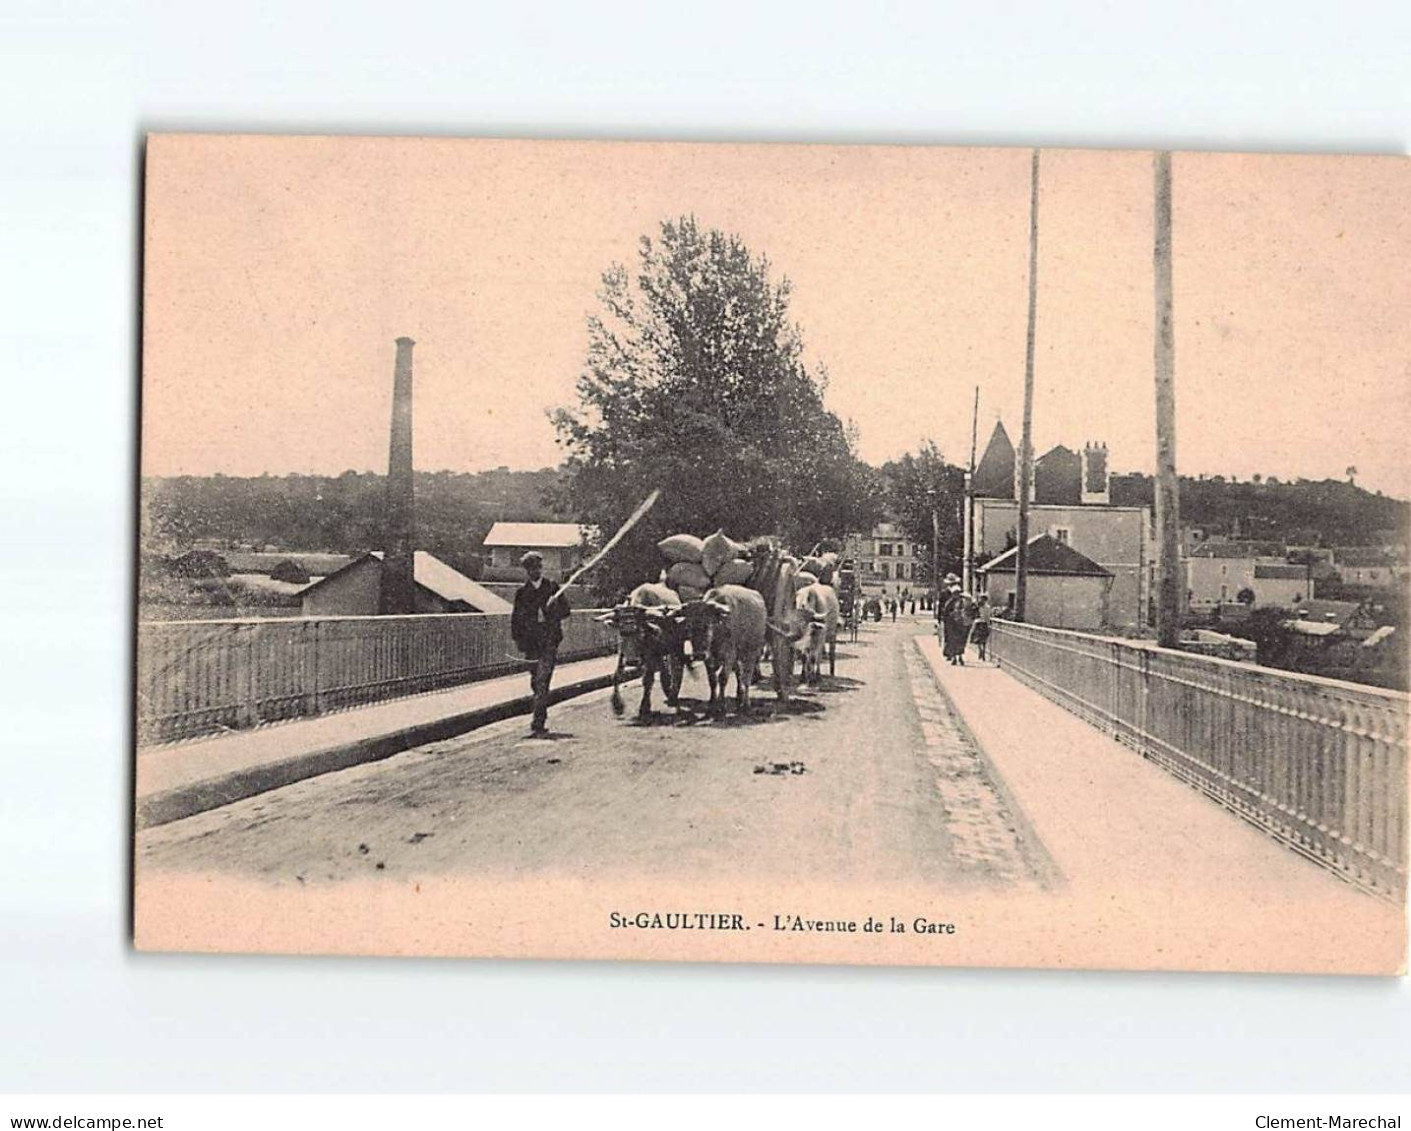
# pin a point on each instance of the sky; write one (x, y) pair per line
(278, 273)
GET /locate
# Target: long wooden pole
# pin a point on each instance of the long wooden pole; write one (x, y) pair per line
(1026, 441)
(1168, 504)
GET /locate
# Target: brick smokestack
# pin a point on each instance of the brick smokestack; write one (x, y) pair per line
(398, 581)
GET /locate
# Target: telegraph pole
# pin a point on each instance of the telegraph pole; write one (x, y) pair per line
(1168, 580)
(967, 568)
(1026, 442)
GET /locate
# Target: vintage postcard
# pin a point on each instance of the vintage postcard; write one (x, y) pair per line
(774, 553)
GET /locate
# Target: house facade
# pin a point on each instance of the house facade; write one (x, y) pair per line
(888, 557)
(1065, 589)
(1118, 539)
(1070, 502)
(1370, 567)
(1216, 573)
(561, 543)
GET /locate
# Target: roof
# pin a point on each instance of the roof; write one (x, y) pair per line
(434, 575)
(546, 535)
(1313, 627)
(452, 585)
(1238, 550)
(1363, 556)
(994, 474)
(1047, 555)
(1331, 612)
(1284, 572)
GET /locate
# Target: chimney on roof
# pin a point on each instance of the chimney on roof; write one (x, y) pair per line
(398, 564)
(1096, 478)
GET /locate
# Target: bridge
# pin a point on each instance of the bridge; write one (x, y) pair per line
(1259, 808)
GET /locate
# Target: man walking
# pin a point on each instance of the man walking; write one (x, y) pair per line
(537, 628)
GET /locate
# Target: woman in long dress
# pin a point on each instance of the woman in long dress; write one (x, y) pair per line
(959, 616)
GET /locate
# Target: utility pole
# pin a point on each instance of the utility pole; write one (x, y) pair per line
(1026, 442)
(967, 567)
(1168, 506)
(936, 547)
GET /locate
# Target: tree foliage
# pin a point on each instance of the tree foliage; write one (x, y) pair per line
(916, 485)
(694, 383)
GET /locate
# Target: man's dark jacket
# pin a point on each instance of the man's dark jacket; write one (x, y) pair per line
(530, 634)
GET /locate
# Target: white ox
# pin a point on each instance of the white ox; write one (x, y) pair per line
(818, 604)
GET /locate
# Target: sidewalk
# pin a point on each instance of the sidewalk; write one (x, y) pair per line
(179, 780)
(1127, 835)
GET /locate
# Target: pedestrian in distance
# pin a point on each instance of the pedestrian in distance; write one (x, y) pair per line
(537, 628)
(980, 634)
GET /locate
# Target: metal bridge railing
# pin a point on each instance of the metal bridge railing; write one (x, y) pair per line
(203, 677)
(1320, 764)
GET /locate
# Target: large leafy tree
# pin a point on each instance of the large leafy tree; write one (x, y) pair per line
(918, 484)
(694, 383)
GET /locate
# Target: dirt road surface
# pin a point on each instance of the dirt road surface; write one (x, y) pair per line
(867, 778)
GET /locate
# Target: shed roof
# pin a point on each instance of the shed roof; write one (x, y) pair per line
(1272, 571)
(1047, 555)
(1331, 612)
(434, 575)
(545, 535)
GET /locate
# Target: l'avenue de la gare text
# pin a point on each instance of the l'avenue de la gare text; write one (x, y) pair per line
(789, 923)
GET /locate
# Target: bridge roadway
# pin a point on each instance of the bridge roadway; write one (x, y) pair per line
(1049, 842)
(865, 779)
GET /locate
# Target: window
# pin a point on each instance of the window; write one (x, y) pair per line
(901, 571)
(885, 549)
(883, 570)
(1062, 534)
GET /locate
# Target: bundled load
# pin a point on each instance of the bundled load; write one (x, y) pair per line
(804, 578)
(737, 571)
(700, 564)
(717, 550)
(682, 548)
(688, 573)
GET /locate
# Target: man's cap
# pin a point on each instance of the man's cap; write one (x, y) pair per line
(533, 557)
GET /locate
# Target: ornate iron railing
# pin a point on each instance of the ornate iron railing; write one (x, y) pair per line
(1320, 764)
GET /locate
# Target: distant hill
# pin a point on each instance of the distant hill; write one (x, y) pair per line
(1304, 512)
(342, 514)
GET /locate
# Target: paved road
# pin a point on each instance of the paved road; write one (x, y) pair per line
(867, 778)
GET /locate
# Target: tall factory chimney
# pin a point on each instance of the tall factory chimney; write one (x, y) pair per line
(398, 564)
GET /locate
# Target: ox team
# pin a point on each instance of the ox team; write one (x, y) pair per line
(730, 603)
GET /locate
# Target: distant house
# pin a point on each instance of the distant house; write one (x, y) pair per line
(1065, 589)
(1217, 572)
(887, 555)
(1071, 501)
(1369, 566)
(356, 590)
(561, 543)
(1279, 584)
(1351, 618)
(1116, 538)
